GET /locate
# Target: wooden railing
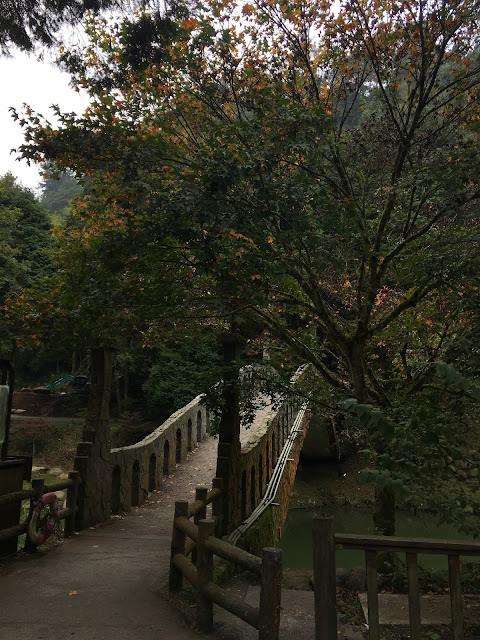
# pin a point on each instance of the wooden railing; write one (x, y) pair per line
(325, 542)
(39, 488)
(199, 571)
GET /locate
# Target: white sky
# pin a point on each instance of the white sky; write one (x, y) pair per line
(25, 79)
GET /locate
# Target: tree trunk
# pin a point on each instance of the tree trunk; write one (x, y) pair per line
(229, 447)
(357, 372)
(384, 523)
(97, 484)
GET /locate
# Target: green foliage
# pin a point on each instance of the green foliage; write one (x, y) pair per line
(260, 535)
(424, 432)
(57, 195)
(181, 372)
(37, 21)
(29, 232)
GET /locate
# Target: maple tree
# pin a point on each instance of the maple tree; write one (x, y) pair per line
(319, 162)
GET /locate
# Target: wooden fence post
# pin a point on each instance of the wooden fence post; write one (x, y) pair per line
(206, 528)
(200, 494)
(38, 485)
(72, 493)
(270, 594)
(455, 596)
(178, 546)
(217, 515)
(324, 578)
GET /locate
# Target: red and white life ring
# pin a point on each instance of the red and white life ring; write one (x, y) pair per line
(39, 529)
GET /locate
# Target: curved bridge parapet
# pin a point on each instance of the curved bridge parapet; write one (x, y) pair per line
(140, 468)
(259, 457)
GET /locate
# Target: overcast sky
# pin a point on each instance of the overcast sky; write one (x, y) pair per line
(24, 79)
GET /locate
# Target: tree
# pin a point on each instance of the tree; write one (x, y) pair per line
(57, 195)
(31, 22)
(321, 164)
(24, 248)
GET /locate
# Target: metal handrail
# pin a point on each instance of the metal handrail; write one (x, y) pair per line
(274, 482)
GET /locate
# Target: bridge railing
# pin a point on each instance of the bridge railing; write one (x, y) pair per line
(199, 537)
(325, 542)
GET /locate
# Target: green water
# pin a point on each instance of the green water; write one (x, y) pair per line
(297, 535)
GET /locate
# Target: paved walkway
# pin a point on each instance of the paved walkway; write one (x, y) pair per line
(106, 583)
(109, 582)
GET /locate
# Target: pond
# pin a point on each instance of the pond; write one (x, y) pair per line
(297, 535)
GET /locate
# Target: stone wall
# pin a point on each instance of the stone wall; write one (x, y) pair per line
(141, 467)
(267, 529)
(259, 457)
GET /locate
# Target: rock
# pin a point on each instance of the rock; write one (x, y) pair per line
(39, 469)
(461, 475)
(56, 471)
(63, 476)
(461, 464)
(473, 473)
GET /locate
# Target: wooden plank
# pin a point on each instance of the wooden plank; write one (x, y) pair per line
(372, 594)
(324, 579)
(406, 545)
(455, 596)
(413, 597)
(270, 594)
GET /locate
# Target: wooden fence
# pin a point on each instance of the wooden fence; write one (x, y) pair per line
(325, 542)
(34, 494)
(199, 571)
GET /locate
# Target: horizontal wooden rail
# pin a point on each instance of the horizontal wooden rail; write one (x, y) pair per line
(185, 526)
(25, 494)
(19, 529)
(406, 545)
(199, 538)
(228, 601)
(34, 494)
(17, 496)
(13, 532)
(325, 541)
(58, 486)
(198, 505)
(233, 554)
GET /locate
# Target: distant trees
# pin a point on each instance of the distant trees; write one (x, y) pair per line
(24, 243)
(57, 194)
